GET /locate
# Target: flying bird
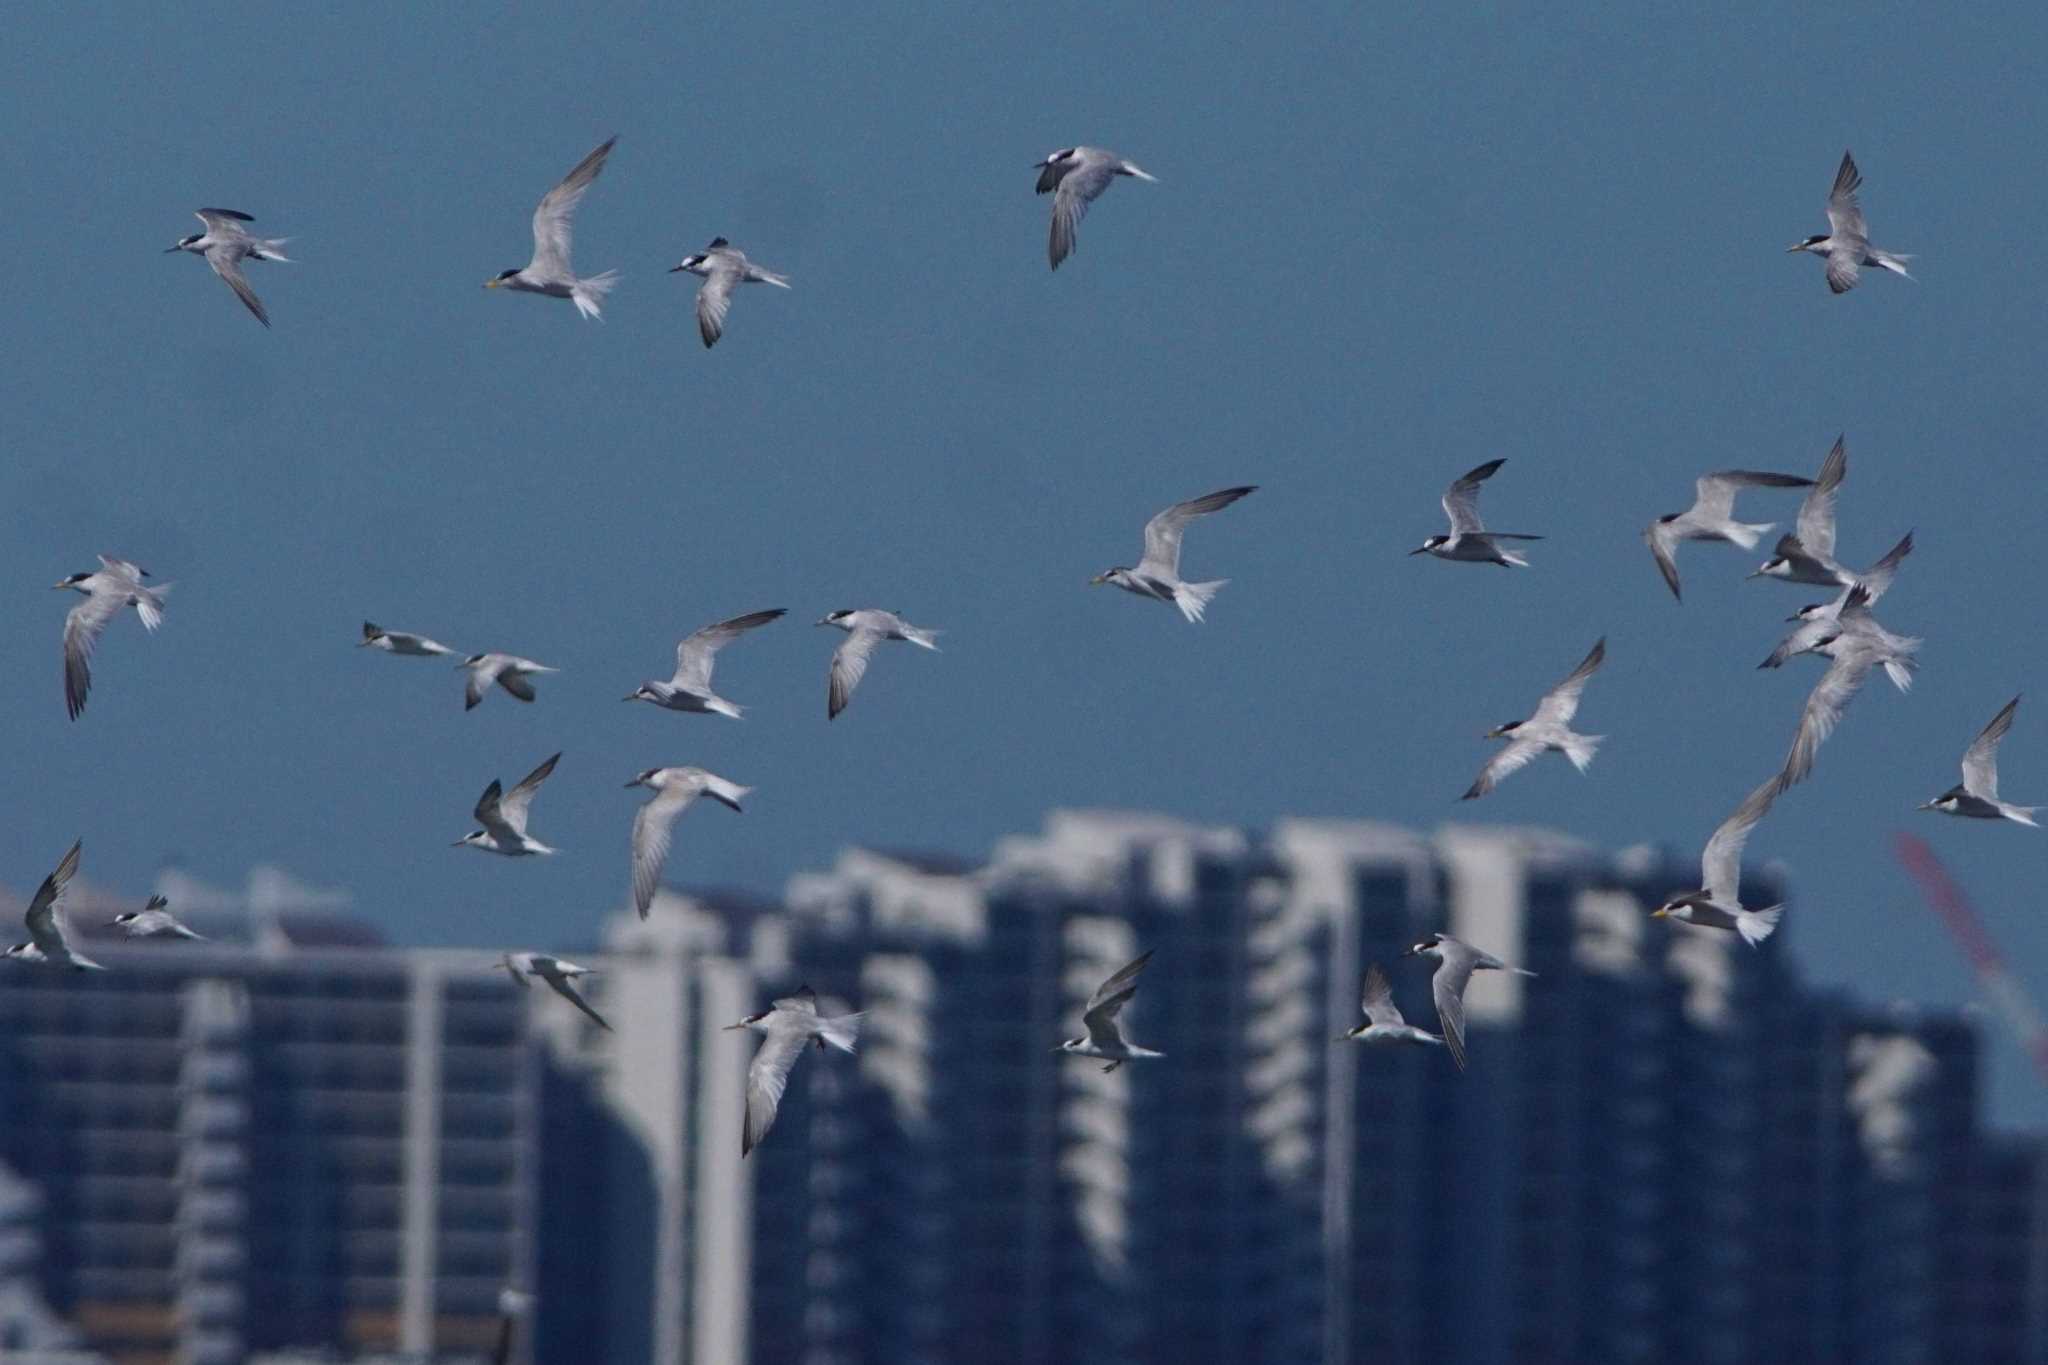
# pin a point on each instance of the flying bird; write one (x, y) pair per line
(1383, 1022)
(1158, 573)
(787, 1026)
(1712, 517)
(508, 671)
(1548, 729)
(674, 790)
(1105, 1038)
(1456, 960)
(503, 816)
(115, 585)
(1718, 902)
(724, 268)
(153, 921)
(1846, 246)
(400, 642)
(1807, 555)
(226, 244)
(690, 688)
(1469, 539)
(865, 628)
(1976, 796)
(549, 272)
(47, 943)
(559, 975)
(1076, 178)
(1857, 647)
(1819, 624)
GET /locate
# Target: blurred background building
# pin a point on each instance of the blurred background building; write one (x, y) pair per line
(295, 1143)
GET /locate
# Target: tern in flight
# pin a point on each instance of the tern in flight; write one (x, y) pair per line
(1383, 1022)
(1846, 245)
(1718, 902)
(1976, 796)
(1076, 178)
(1105, 1038)
(1469, 539)
(46, 940)
(787, 1026)
(549, 272)
(226, 244)
(1158, 573)
(1456, 960)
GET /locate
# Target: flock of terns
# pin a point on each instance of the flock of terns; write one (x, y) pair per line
(1842, 629)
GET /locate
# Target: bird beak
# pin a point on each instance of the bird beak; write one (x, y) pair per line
(60, 585)
(1927, 805)
(458, 843)
(169, 249)
(636, 781)
(630, 696)
(1758, 574)
(1099, 579)
(491, 284)
(1796, 246)
(1790, 619)
(1417, 550)
(730, 1027)
(1661, 912)
(674, 268)
(1039, 166)
(822, 621)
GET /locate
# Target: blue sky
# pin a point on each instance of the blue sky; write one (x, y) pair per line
(1385, 247)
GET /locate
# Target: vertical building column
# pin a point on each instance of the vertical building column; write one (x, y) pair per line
(213, 1121)
(724, 1207)
(418, 1252)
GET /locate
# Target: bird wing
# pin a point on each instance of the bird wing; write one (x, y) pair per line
(1663, 545)
(82, 627)
(479, 680)
(1845, 213)
(513, 805)
(849, 663)
(1721, 861)
(1461, 499)
(551, 220)
(714, 297)
(126, 568)
(1077, 189)
(1512, 757)
(518, 977)
(1108, 1001)
(227, 263)
(697, 650)
(517, 683)
(489, 814)
(43, 929)
(1842, 270)
(222, 220)
(1817, 513)
(1877, 579)
(1714, 494)
(652, 826)
(766, 1080)
(561, 986)
(1447, 987)
(1561, 702)
(1163, 532)
(1378, 998)
(1980, 760)
(1824, 705)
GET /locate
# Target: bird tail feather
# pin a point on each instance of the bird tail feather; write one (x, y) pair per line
(841, 1032)
(1757, 925)
(267, 250)
(149, 605)
(731, 793)
(928, 636)
(588, 293)
(770, 277)
(1513, 558)
(1193, 598)
(1581, 748)
(1894, 261)
(2023, 814)
(1746, 534)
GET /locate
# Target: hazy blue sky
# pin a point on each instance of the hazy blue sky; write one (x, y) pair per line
(1385, 247)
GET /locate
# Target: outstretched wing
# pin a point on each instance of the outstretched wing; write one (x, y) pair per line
(1561, 702)
(1714, 494)
(1512, 758)
(1461, 499)
(43, 929)
(1078, 187)
(849, 665)
(1163, 532)
(561, 986)
(1447, 988)
(551, 220)
(1817, 513)
(227, 264)
(1721, 861)
(714, 297)
(1825, 704)
(1980, 760)
(1109, 1000)
(83, 625)
(1378, 998)
(1845, 211)
(652, 827)
(1662, 549)
(695, 654)
(514, 804)
(766, 1080)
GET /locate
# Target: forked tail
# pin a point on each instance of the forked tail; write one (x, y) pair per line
(1757, 925)
(1581, 748)
(928, 636)
(1747, 534)
(1193, 598)
(841, 1032)
(588, 294)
